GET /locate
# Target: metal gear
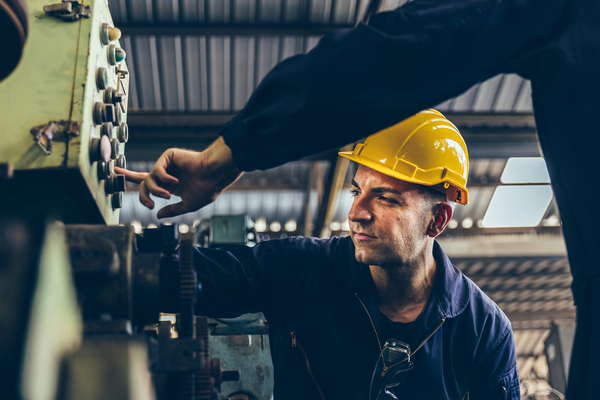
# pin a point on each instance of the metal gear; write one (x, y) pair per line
(187, 289)
(204, 382)
(187, 299)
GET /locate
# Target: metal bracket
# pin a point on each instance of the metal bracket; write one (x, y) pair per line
(68, 11)
(121, 73)
(177, 355)
(44, 134)
(73, 128)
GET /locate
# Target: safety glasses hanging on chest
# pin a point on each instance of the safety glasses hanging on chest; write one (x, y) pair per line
(391, 370)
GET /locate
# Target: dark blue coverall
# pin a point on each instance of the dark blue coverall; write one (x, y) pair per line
(358, 81)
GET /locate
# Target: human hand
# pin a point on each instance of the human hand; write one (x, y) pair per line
(197, 177)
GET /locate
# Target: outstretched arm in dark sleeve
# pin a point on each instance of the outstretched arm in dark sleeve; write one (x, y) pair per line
(358, 81)
(239, 279)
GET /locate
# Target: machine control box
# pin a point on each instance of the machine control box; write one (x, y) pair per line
(64, 116)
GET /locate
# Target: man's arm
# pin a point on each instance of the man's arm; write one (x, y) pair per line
(358, 81)
(197, 177)
(239, 279)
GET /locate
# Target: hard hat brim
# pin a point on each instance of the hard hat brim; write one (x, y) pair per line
(376, 166)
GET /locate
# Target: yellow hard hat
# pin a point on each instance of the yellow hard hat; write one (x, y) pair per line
(426, 149)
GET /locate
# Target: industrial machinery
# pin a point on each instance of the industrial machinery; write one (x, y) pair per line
(557, 348)
(91, 310)
(80, 309)
(241, 343)
(64, 116)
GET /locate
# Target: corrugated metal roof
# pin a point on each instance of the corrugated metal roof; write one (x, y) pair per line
(218, 73)
(335, 12)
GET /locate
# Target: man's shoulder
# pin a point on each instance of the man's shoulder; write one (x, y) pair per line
(483, 306)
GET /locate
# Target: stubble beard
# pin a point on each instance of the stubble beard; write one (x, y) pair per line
(392, 258)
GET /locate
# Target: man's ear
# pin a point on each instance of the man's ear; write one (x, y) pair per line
(441, 217)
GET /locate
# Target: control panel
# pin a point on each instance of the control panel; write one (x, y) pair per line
(64, 116)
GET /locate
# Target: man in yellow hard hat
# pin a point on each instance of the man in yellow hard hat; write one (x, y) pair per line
(382, 314)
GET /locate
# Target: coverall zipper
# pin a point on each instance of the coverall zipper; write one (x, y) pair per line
(296, 342)
(385, 367)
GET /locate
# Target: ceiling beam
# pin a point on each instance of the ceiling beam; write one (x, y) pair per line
(531, 295)
(487, 135)
(504, 246)
(522, 122)
(541, 315)
(496, 120)
(144, 29)
(166, 119)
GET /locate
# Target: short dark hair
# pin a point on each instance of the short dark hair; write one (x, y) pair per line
(431, 198)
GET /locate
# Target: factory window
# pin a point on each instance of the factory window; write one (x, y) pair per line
(523, 197)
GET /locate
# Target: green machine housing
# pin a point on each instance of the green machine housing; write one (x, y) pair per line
(63, 117)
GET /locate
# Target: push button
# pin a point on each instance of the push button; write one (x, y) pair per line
(114, 148)
(107, 129)
(103, 113)
(121, 162)
(109, 34)
(123, 133)
(117, 200)
(102, 78)
(114, 184)
(105, 169)
(115, 54)
(100, 149)
(117, 115)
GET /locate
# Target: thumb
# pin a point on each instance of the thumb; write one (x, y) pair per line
(172, 210)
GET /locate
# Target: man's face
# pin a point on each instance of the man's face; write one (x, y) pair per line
(388, 222)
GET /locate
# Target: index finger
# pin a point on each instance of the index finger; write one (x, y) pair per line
(160, 168)
(130, 176)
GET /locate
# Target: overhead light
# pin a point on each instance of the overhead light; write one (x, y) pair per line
(291, 225)
(345, 225)
(335, 226)
(517, 206)
(525, 170)
(260, 225)
(137, 227)
(275, 226)
(467, 223)
(152, 226)
(184, 228)
(453, 224)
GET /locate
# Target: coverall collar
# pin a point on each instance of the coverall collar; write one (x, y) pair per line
(449, 298)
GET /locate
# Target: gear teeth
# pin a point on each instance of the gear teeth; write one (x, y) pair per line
(204, 382)
(187, 289)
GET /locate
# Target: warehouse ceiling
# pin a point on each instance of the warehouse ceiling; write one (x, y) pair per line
(193, 65)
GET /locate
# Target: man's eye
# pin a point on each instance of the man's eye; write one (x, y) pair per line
(354, 192)
(387, 199)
